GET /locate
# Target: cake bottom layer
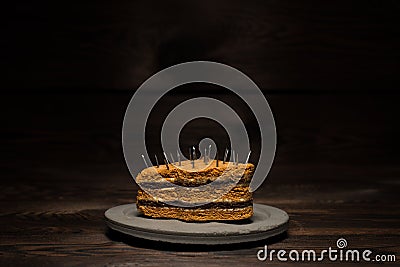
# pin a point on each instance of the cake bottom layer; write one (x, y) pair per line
(197, 214)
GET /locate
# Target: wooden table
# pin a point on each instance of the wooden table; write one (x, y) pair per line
(336, 173)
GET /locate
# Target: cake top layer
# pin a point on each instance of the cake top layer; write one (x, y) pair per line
(200, 174)
(199, 166)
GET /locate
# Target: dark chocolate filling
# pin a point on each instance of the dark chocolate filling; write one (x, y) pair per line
(153, 185)
(219, 205)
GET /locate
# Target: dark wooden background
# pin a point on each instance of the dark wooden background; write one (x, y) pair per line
(329, 69)
(292, 45)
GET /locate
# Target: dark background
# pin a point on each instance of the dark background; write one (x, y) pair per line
(291, 45)
(329, 70)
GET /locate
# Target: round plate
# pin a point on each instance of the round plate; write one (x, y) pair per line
(266, 222)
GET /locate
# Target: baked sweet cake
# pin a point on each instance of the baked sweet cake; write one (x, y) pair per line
(236, 204)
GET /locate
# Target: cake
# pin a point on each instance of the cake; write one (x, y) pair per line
(235, 204)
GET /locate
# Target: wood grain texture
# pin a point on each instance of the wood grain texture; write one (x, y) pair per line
(287, 44)
(336, 173)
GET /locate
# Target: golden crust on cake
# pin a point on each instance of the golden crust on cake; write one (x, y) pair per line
(198, 214)
(200, 175)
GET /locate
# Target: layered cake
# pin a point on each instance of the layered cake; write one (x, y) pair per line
(236, 204)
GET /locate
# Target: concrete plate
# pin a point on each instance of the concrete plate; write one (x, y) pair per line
(266, 222)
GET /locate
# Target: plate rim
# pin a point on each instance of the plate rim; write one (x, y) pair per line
(197, 238)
